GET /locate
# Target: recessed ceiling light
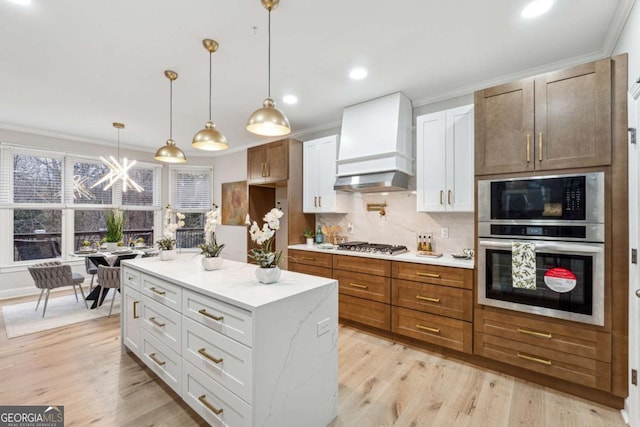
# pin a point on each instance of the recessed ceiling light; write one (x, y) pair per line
(536, 8)
(358, 73)
(290, 99)
(21, 2)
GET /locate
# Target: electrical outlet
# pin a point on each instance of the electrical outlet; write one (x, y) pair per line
(444, 232)
(323, 326)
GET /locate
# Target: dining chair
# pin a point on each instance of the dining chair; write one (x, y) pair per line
(51, 275)
(108, 278)
(91, 269)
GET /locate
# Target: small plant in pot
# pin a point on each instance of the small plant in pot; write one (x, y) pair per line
(172, 221)
(115, 229)
(210, 248)
(309, 235)
(267, 257)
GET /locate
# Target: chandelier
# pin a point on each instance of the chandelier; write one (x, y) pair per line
(117, 171)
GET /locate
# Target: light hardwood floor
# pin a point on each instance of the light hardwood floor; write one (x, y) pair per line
(381, 384)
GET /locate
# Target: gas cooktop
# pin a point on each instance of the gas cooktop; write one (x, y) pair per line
(373, 248)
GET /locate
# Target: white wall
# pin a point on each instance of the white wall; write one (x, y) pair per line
(230, 168)
(629, 42)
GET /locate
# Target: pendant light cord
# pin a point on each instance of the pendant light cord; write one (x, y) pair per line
(269, 54)
(170, 109)
(209, 85)
(118, 144)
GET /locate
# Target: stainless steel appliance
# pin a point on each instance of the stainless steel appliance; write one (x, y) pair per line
(561, 217)
(373, 248)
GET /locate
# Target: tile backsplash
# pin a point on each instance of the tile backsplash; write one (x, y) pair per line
(401, 223)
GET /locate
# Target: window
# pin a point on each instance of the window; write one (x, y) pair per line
(191, 193)
(37, 234)
(37, 179)
(85, 175)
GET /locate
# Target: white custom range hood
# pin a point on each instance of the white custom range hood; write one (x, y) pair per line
(376, 153)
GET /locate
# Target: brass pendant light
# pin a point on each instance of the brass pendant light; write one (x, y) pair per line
(210, 138)
(169, 153)
(268, 120)
(118, 171)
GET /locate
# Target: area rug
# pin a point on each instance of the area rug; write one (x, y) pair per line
(22, 319)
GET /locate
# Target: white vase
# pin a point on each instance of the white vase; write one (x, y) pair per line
(310, 242)
(268, 275)
(211, 263)
(111, 246)
(166, 255)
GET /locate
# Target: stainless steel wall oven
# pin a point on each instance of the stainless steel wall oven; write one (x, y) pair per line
(556, 225)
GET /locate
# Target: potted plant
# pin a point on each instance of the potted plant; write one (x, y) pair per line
(309, 235)
(139, 243)
(267, 257)
(172, 221)
(115, 229)
(210, 248)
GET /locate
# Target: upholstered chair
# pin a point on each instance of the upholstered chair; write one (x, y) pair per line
(108, 278)
(51, 275)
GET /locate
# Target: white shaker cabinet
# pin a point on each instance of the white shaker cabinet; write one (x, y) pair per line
(319, 176)
(130, 286)
(445, 161)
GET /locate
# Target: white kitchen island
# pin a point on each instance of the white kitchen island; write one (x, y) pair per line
(239, 352)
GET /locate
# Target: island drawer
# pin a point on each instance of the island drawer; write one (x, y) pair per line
(162, 322)
(378, 267)
(217, 405)
(375, 288)
(163, 292)
(166, 363)
(569, 367)
(131, 278)
(434, 274)
(439, 330)
(364, 311)
(441, 300)
(221, 358)
(227, 319)
(310, 258)
(545, 332)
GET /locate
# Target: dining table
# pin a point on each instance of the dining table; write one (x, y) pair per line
(108, 259)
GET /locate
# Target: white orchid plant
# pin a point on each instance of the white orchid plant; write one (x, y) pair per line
(210, 247)
(265, 255)
(172, 221)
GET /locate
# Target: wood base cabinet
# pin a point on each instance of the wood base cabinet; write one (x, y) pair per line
(434, 306)
(558, 349)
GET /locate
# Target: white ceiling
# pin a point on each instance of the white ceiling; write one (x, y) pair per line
(73, 67)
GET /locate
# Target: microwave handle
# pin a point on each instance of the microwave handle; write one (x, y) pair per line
(547, 245)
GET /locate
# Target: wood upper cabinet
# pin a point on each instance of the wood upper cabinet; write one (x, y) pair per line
(268, 162)
(554, 121)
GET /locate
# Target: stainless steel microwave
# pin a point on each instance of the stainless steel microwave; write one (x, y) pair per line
(574, 198)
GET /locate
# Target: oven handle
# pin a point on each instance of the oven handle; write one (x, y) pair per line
(554, 246)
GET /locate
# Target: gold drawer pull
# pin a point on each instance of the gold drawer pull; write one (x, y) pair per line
(154, 290)
(540, 146)
(534, 333)
(449, 196)
(155, 322)
(203, 352)
(209, 406)
(204, 313)
(534, 359)
(441, 194)
(130, 278)
(420, 297)
(155, 359)
(528, 148)
(435, 276)
(428, 329)
(135, 311)
(355, 285)
(308, 259)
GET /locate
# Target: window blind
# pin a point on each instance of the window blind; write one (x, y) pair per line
(190, 188)
(149, 178)
(36, 178)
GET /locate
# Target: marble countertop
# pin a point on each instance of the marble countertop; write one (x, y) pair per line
(445, 260)
(234, 283)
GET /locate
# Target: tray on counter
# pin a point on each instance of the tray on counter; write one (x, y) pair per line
(428, 254)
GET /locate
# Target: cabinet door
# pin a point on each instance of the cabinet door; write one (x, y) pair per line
(277, 168)
(431, 153)
(310, 177)
(256, 164)
(504, 138)
(459, 159)
(573, 117)
(131, 319)
(327, 174)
